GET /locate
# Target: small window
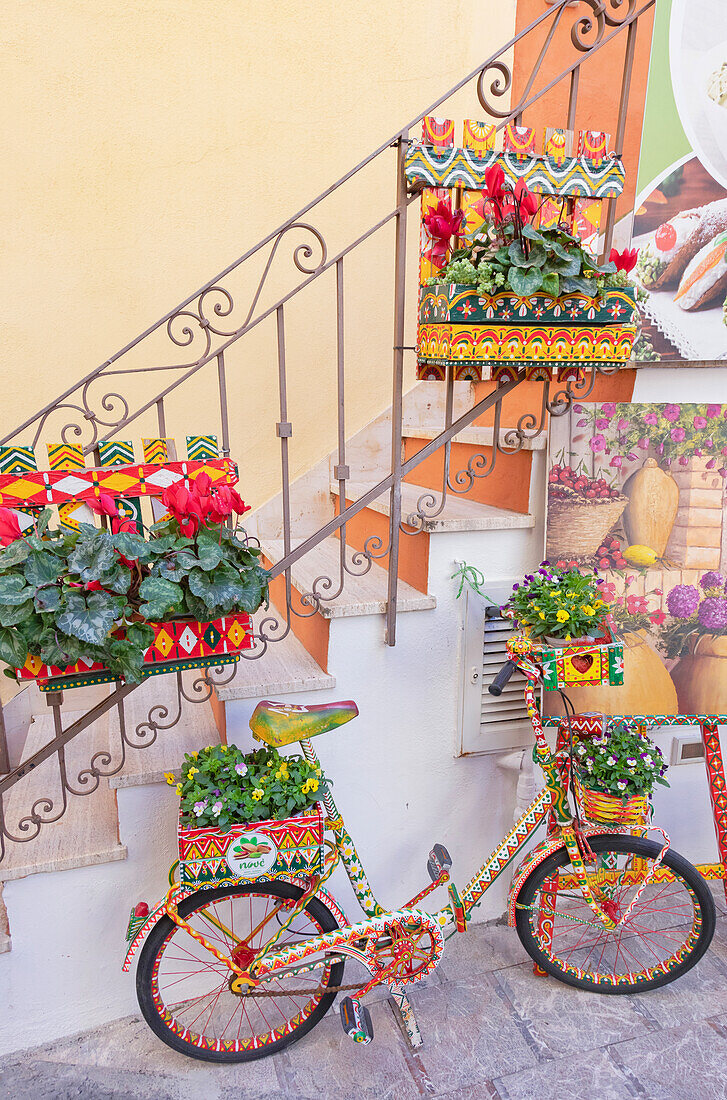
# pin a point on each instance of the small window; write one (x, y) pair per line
(489, 723)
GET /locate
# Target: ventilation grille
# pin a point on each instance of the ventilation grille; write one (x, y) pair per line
(503, 716)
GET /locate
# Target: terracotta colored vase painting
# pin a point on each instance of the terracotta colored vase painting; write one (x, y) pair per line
(638, 491)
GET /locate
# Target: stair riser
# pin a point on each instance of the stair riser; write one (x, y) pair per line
(508, 486)
(413, 548)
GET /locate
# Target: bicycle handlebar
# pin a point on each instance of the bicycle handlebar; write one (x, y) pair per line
(502, 678)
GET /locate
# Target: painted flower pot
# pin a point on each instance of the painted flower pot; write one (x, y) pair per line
(178, 644)
(700, 677)
(592, 662)
(247, 852)
(493, 335)
(652, 508)
(647, 685)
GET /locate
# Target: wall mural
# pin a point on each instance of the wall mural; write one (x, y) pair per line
(638, 490)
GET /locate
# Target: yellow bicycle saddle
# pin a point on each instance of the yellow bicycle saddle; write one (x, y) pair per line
(283, 723)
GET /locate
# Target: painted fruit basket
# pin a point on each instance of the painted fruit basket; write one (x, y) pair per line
(494, 335)
(599, 662)
(266, 849)
(178, 644)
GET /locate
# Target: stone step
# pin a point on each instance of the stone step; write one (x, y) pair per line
(479, 435)
(286, 666)
(87, 833)
(361, 595)
(458, 514)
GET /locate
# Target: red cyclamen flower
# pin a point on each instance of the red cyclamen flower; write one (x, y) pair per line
(626, 260)
(9, 527)
(442, 225)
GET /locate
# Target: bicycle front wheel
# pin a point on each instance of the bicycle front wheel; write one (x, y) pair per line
(667, 932)
(184, 991)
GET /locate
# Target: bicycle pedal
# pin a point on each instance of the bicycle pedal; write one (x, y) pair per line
(439, 860)
(356, 1020)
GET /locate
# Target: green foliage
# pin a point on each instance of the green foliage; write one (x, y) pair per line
(526, 261)
(559, 602)
(91, 593)
(622, 761)
(222, 786)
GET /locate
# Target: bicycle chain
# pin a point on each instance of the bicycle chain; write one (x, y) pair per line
(303, 992)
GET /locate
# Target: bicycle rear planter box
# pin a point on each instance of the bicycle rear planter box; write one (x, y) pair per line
(178, 644)
(599, 662)
(494, 335)
(209, 857)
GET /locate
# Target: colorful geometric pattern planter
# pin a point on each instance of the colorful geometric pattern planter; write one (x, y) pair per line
(566, 666)
(493, 336)
(429, 166)
(178, 644)
(267, 849)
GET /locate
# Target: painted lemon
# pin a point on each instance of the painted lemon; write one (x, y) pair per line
(640, 555)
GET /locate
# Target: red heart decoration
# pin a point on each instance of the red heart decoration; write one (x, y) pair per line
(582, 662)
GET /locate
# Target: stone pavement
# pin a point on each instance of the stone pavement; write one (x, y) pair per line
(491, 1030)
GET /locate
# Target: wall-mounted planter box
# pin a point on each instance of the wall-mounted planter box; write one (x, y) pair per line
(599, 662)
(496, 335)
(178, 644)
(265, 849)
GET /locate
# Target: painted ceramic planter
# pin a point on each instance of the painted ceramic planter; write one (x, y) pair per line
(593, 663)
(489, 336)
(178, 644)
(247, 852)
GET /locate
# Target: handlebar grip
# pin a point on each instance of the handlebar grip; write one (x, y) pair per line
(501, 679)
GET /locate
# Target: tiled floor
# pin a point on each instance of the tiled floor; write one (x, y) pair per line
(491, 1030)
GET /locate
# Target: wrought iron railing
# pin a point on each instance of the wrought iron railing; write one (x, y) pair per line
(201, 332)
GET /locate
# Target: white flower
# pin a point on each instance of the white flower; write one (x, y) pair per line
(216, 808)
(621, 785)
(611, 760)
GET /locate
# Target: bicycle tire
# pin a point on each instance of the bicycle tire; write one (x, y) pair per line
(163, 1022)
(566, 970)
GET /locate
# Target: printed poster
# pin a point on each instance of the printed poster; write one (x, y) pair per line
(680, 215)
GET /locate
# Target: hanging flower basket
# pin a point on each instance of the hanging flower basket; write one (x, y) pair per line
(264, 850)
(178, 644)
(492, 335)
(608, 809)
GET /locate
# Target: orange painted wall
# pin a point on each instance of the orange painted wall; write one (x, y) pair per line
(600, 82)
(508, 486)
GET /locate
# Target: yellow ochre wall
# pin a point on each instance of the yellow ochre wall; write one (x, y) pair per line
(148, 144)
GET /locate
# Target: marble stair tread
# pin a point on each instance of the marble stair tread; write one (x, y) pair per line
(361, 595)
(480, 435)
(88, 832)
(195, 729)
(458, 514)
(285, 666)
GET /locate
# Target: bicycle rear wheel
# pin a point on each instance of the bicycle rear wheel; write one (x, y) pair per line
(184, 991)
(667, 932)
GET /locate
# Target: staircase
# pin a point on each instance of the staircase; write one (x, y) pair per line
(362, 547)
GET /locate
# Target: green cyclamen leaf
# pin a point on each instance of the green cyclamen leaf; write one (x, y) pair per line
(162, 597)
(42, 569)
(551, 283)
(14, 554)
(47, 599)
(11, 614)
(12, 648)
(92, 556)
(13, 589)
(525, 280)
(88, 618)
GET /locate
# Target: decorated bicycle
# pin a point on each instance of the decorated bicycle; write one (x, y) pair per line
(246, 951)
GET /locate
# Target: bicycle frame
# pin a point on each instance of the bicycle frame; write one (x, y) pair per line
(360, 940)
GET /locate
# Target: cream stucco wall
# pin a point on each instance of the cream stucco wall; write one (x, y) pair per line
(150, 143)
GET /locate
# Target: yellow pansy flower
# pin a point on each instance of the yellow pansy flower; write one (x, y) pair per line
(588, 610)
(194, 755)
(312, 784)
(318, 771)
(170, 778)
(542, 614)
(282, 772)
(562, 616)
(223, 748)
(179, 789)
(192, 771)
(257, 794)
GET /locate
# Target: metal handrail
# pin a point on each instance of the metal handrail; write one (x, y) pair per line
(202, 315)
